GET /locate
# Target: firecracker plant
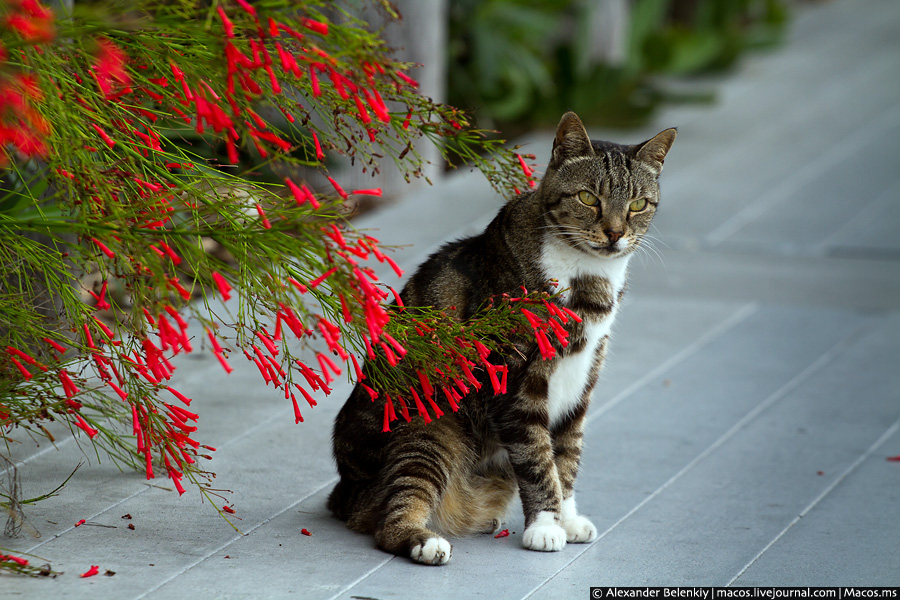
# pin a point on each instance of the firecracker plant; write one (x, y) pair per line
(105, 122)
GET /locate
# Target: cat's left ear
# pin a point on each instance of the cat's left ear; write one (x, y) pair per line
(654, 150)
(571, 140)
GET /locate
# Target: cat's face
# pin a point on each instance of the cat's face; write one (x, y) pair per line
(600, 197)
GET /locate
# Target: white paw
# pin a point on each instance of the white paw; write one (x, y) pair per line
(436, 551)
(579, 530)
(544, 535)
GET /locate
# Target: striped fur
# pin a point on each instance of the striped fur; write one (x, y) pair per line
(459, 474)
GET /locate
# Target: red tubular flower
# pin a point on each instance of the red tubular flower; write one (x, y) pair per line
(372, 393)
(106, 330)
(298, 418)
(502, 534)
(182, 414)
(325, 361)
(338, 188)
(273, 350)
(389, 354)
(103, 135)
(110, 66)
(451, 400)
(368, 192)
(273, 80)
(492, 374)
(90, 431)
(438, 413)
(314, 81)
(420, 407)
(394, 266)
(248, 8)
(559, 331)
(318, 280)
(400, 349)
(319, 154)
(317, 26)
(22, 562)
(68, 386)
(427, 389)
(228, 368)
(409, 80)
(25, 373)
(91, 572)
(185, 295)
(547, 351)
(572, 315)
(363, 113)
(386, 427)
(404, 410)
(309, 399)
(262, 216)
(482, 350)
(525, 168)
(226, 22)
(179, 395)
(533, 319)
(122, 394)
(464, 365)
(103, 248)
(359, 374)
(55, 345)
(223, 285)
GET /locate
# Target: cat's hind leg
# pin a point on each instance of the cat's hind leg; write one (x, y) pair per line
(417, 476)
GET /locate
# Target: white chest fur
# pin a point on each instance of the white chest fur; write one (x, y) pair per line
(570, 377)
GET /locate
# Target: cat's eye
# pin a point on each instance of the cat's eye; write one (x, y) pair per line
(588, 198)
(638, 205)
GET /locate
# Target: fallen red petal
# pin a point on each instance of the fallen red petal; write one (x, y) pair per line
(91, 572)
(502, 534)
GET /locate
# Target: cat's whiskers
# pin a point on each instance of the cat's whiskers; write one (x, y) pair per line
(645, 247)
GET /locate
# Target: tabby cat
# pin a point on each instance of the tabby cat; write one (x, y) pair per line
(459, 474)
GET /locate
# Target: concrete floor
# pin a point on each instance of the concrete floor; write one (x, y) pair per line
(741, 430)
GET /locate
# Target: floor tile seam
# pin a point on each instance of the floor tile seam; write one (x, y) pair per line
(887, 119)
(235, 538)
(363, 577)
(726, 325)
(830, 488)
(820, 363)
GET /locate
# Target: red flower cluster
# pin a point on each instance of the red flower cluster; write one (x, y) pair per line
(21, 125)
(31, 20)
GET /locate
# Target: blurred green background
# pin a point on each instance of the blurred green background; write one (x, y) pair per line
(519, 64)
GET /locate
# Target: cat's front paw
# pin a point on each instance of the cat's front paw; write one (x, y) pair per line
(544, 535)
(579, 530)
(435, 551)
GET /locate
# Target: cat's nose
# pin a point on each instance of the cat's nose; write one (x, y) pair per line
(614, 236)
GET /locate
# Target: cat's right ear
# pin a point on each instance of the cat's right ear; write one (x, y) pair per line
(571, 140)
